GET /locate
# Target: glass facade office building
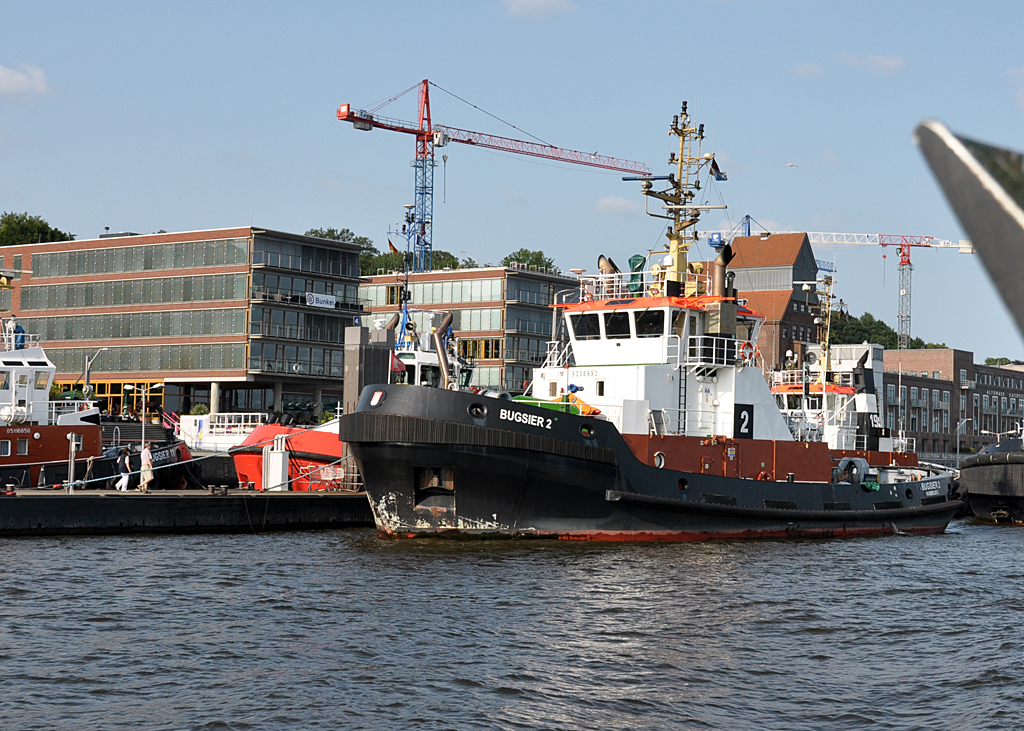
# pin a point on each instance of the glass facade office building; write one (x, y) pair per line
(241, 319)
(501, 317)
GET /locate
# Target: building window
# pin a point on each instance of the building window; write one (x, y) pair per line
(936, 375)
(913, 393)
(785, 332)
(963, 376)
(394, 294)
(890, 392)
(945, 421)
(891, 419)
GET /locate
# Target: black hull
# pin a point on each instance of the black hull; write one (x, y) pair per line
(995, 486)
(575, 478)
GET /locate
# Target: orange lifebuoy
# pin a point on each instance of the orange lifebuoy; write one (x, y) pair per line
(764, 476)
(746, 350)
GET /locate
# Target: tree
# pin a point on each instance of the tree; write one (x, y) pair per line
(367, 251)
(469, 263)
(443, 259)
(527, 258)
(849, 330)
(20, 228)
(998, 361)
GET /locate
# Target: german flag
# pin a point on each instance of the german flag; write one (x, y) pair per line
(392, 247)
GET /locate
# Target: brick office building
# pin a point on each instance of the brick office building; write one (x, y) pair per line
(240, 319)
(769, 269)
(930, 391)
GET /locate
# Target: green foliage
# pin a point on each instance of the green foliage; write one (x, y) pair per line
(20, 228)
(469, 263)
(998, 361)
(199, 410)
(528, 258)
(443, 259)
(367, 251)
(849, 330)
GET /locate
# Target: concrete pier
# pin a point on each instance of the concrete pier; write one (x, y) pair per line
(36, 512)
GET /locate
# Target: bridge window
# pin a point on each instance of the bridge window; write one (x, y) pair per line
(616, 324)
(650, 323)
(586, 326)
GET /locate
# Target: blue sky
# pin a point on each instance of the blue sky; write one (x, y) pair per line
(182, 116)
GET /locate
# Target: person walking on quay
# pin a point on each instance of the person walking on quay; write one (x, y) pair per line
(147, 469)
(123, 469)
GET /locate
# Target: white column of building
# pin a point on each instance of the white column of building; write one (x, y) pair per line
(214, 397)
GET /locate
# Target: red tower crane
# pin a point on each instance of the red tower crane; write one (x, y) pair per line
(904, 243)
(429, 135)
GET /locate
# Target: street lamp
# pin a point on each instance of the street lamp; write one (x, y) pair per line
(145, 389)
(999, 434)
(959, 431)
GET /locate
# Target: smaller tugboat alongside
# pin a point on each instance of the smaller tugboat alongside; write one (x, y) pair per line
(994, 480)
(651, 422)
(278, 456)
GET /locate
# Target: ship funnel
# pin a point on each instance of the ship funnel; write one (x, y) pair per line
(718, 270)
(442, 354)
(393, 322)
(607, 266)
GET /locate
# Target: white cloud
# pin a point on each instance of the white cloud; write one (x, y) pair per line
(30, 80)
(809, 70)
(619, 205)
(1017, 72)
(538, 7)
(886, 65)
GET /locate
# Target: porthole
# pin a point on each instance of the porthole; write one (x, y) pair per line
(683, 484)
(659, 459)
(587, 431)
(477, 411)
(910, 494)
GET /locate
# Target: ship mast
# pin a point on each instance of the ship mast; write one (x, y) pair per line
(678, 198)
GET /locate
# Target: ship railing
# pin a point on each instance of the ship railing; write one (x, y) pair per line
(59, 408)
(713, 350)
(235, 423)
(671, 349)
(673, 422)
(644, 283)
(18, 341)
(558, 355)
(905, 445)
(860, 442)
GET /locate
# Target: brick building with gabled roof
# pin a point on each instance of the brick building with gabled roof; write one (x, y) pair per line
(768, 271)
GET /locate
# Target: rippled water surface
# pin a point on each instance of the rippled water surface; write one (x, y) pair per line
(344, 630)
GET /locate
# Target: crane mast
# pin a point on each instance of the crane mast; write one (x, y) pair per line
(429, 135)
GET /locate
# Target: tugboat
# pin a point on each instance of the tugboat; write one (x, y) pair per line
(316, 460)
(652, 422)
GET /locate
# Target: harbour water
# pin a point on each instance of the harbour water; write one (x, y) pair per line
(342, 630)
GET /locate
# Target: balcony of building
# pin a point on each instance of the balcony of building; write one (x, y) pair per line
(295, 367)
(298, 332)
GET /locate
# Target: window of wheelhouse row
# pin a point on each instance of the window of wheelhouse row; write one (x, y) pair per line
(5, 448)
(650, 323)
(42, 378)
(5, 380)
(616, 325)
(586, 326)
